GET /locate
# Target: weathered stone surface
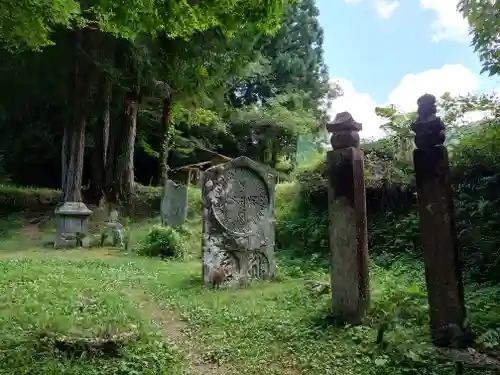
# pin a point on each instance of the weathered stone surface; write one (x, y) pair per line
(317, 288)
(348, 228)
(437, 228)
(343, 122)
(344, 131)
(174, 205)
(113, 230)
(238, 222)
(72, 219)
(429, 129)
(344, 139)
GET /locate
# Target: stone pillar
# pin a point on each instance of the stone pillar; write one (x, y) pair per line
(347, 216)
(174, 205)
(437, 227)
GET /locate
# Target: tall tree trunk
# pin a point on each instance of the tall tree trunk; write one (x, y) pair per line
(120, 179)
(128, 146)
(101, 140)
(166, 119)
(74, 133)
(111, 158)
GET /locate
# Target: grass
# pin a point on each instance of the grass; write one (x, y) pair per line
(176, 326)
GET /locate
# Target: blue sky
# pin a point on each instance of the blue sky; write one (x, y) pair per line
(391, 52)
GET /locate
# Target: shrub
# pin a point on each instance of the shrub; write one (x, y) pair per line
(194, 202)
(164, 242)
(300, 228)
(14, 198)
(18, 198)
(393, 221)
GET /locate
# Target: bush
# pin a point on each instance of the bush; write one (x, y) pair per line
(300, 228)
(164, 242)
(14, 198)
(393, 221)
(17, 198)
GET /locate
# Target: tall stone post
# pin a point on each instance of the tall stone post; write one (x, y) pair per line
(437, 229)
(347, 216)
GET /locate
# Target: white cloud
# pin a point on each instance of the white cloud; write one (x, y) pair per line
(360, 105)
(386, 8)
(449, 23)
(456, 79)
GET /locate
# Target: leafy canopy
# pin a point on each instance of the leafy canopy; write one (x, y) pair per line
(484, 20)
(28, 24)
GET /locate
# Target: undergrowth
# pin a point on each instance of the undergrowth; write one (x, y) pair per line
(163, 242)
(280, 325)
(393, 222)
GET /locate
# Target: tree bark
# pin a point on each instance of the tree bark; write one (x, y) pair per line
(120, 179)
(73, 146)
(166, 120)
(128, 147)
(109, 173)
(101, 141)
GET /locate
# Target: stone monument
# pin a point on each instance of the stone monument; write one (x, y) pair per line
(443, 271)
(238, 223)
(347, 218)
(114, 228)
(72, 219)
(174, 205)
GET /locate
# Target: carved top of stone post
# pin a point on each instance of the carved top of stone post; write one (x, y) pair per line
(344, 131)
(429, 129)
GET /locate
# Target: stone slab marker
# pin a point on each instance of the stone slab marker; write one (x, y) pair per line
(238, 222)
(347, 217)
(174, 205)
(437, 228)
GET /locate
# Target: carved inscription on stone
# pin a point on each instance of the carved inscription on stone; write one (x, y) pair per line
(258, 266)
(242, 202)
(238, 222)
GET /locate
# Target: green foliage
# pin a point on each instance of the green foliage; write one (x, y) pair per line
(393, 222)
(29, 24)
(51, 310)
(484, 20)
(301, 218)
(164, 242)
(14, 198)
(276, 116)
(118, 294)
(148, 299)
(455, 107)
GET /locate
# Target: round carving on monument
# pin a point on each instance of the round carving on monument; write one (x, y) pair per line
(241, 201)
(258, 266)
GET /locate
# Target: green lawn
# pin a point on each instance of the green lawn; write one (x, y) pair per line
(54, 303)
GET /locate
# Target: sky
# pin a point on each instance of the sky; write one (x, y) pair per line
(393, 51)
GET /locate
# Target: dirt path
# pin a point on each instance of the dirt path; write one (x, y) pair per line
(179, 333)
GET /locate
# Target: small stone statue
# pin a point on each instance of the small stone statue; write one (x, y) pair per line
(427, 108)
(116, 229)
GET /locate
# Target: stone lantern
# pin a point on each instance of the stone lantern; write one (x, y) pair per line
(72, 219)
